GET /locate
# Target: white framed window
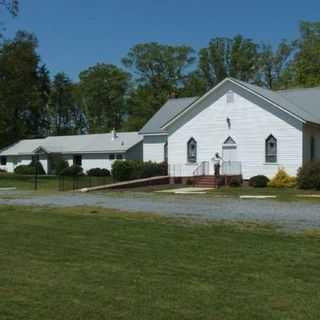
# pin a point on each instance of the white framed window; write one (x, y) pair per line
(271, 149)
(192, 151)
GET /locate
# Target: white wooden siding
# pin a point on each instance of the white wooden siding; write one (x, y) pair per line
(250, 126)
(14, 161)
(153, 148)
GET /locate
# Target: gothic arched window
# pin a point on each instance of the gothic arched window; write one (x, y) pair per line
(192, 150)
(271, 149)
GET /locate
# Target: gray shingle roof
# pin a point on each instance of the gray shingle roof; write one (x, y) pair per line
(90, 143)
(22, 147)
(168, 111)
(304, 103)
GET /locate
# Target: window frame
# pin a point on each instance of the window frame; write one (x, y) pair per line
(3, 160)
(112, 156)
(75, 159)
(119, 156)
(271, 158)
(192, 159)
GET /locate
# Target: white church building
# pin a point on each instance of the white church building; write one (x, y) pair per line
(247, 129)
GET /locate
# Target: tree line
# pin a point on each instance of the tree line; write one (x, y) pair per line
(32, 104)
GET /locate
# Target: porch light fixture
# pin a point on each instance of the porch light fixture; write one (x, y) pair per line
(229, 122)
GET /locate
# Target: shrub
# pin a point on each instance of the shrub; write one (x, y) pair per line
(3, 171)
(73, 170)
(309, 176)
(235, 182)
(37, 167)
(98, 172)
(129, 170)
(30, 169)
(259, 181)
(60, 165)
(25, 170)
(282, 180)
(123, 170)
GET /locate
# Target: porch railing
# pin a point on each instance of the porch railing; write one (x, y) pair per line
(231, 168)
(202, 169)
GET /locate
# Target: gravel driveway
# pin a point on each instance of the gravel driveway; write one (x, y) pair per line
(292, 215)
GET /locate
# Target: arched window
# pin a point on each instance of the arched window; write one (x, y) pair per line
(271, 149)
(192, 150)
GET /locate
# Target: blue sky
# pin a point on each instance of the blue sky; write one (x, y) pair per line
(75, 34)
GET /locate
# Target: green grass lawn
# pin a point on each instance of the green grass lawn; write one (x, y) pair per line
(45, 183)
(84, 263)
(283, 194)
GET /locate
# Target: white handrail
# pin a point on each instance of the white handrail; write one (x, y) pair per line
(202, 169)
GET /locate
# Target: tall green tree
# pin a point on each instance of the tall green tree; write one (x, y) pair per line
(103, 90)
(160, 66)
(65, 116)
(275, 64)
(24, 90)
(224, 57)
(307, 57)
(160, 72)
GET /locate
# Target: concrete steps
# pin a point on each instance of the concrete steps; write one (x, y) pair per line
(205, 181)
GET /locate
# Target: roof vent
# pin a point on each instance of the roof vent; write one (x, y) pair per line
(113, 134)
(230, 97)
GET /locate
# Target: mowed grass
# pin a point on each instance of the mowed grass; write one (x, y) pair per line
(50, 183)
(83, 263)
(282, 194)
(27, 182)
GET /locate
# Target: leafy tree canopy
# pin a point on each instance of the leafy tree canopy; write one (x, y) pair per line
(224, 57)
(24, 89)
(307, 58)
(65, 116)
(103, 90)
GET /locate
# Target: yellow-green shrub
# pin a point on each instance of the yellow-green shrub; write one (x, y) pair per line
(282, 180)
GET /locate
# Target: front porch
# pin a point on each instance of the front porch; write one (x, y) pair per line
(208, 174)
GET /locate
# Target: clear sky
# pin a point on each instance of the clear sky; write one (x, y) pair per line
(75, 34)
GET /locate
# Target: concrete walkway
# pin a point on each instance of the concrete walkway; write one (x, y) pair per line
(188, 190)
(129, 184)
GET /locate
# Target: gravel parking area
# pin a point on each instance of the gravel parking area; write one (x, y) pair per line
(296, 215)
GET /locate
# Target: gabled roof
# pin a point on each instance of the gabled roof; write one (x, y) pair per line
(168, 111)
(303, 104)
(22, 147)
(90, 143)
